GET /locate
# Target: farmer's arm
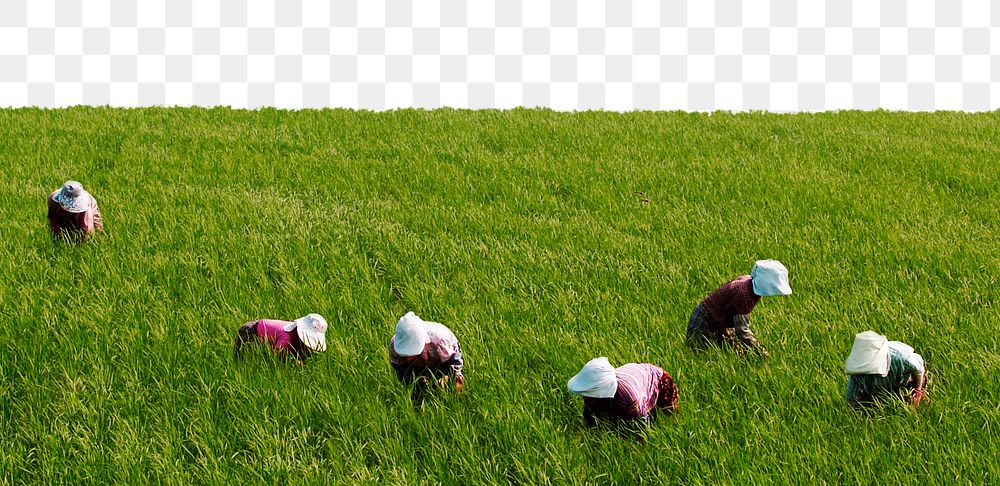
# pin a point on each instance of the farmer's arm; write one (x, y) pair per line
(53, 209)
(455, 364)
(918, 376)
(401, 369)
(853, 392)
(589, 417)
(98, 220)
(741, 323)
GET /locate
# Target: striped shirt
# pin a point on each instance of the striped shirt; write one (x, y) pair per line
(733, 298)
(638, 390)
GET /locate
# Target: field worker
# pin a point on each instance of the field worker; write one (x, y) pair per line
(74, 210)
(298, 338)
(723, 317)
(420, 351)
(878, 367)
(630, 392)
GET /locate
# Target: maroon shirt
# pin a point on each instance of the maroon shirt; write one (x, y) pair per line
(733, 298)
(63, 220)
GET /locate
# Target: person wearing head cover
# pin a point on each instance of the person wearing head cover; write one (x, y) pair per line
(878, 367)
(421, 351)
(630, 392)
(298, 338)
(724, 316)
(74, 210)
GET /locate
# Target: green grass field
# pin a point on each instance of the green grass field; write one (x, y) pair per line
(542, 239)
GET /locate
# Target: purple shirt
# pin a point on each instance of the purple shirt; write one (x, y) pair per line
(272, 332)
(733, 298)
(638, 391)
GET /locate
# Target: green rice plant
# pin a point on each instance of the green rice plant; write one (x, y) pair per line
(542, 239)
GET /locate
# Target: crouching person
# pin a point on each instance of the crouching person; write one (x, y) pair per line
(629, 393)
(73, 211)
(296, 339)
(423, 352)
(724, 316)
(879, 368)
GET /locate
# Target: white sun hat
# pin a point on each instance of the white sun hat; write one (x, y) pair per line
(869, 355)
(769, 278)
(411, 335)
(311, 330)
(72, 197)
(596, 380)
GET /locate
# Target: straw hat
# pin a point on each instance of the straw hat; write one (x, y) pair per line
(411, 335)
(769, 278)
(311, 330)
(73, 198)
(597, 379)
(869, 355)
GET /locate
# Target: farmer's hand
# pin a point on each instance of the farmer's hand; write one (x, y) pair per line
(443, 381)
(459, 383)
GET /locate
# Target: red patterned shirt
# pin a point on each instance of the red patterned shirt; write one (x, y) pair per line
(733, 298)
(441, 356)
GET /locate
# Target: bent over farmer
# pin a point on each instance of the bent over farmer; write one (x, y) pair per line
(72, 210)
(631, 392)
(724, 316)
(877, 368)
(296, 339)
(421, 352)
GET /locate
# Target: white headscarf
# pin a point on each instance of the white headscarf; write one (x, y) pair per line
(411, 335)
(596, 380)
(869, 355)
(311, 330)
(769, 278)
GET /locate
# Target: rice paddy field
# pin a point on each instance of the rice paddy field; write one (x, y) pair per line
(542, 240)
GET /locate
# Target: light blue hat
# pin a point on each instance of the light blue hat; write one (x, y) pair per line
(770, 277)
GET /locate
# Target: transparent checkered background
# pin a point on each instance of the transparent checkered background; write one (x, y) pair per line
(780, 55)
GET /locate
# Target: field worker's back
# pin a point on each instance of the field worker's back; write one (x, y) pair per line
(272, 332)
(443, 342)
(731, 299)
(641, 388)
